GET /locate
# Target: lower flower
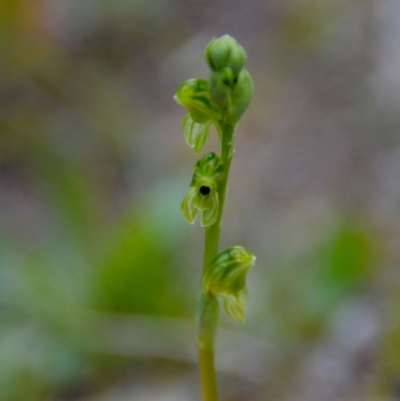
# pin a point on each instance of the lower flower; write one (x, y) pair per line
(226, 277)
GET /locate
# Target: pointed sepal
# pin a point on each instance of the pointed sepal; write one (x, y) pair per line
(189, 211)
(235, 305)
(196, 134)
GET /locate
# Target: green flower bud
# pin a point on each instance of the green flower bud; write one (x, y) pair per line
(203, 193)
(226, 277)
(240, 97)
(196, 134)
(225, 52)
(194, 95)
(220, 87)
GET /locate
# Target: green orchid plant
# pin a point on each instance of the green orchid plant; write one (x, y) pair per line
(219, 101)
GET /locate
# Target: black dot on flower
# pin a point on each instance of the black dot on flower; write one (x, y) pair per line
(204, 190)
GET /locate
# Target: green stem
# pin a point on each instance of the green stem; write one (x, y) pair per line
(207, 321)
(227, 132)
(206, 301)
(207, 373)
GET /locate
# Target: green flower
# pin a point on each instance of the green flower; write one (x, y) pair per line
(220, 86)
(203, 193)
(226, 277)
(194, 95)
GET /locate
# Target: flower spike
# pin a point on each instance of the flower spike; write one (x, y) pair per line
(220, 100)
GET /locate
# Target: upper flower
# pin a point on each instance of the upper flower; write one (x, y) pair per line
(194, 95)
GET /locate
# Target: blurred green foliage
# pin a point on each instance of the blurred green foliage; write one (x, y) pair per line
(45, 291)
(136, 275)
(305, 292)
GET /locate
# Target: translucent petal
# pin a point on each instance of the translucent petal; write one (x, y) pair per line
(188, 209)
(200, 136)
(187, 127)
(210, 214)
(196, 134)
(235, 306)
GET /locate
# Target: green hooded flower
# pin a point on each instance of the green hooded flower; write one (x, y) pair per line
(203, 193)
(194, 95)
(226, 277)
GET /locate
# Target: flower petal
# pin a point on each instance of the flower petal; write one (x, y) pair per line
(235, 306)
(196, 134)
(210, 214)
(188, 209)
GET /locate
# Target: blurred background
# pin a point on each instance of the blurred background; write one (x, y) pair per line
(99, 273)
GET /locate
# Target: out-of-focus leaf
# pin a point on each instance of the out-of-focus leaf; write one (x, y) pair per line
(347, 256)
(306, 291)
